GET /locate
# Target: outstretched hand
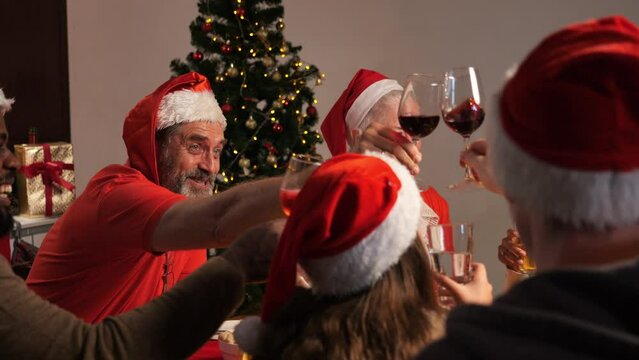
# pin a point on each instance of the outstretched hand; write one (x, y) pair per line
(477, 291)
(476, 158)
(510, 252)
(379, 137)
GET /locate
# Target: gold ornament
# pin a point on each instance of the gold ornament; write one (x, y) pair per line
(276, 76)
(268, 61)
(271, 159)
(233, 72)
(262, 34)
(280, 25)
(251, 124)
(276, 104)
(284, 48)
(244, 163)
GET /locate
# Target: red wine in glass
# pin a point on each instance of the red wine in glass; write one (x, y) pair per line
(418, 126)
(461, 108)
(418, 111)
(465, 118)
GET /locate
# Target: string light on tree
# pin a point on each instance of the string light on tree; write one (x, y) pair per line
(280, 25)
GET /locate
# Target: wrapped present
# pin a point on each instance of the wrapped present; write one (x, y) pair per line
(46, 179)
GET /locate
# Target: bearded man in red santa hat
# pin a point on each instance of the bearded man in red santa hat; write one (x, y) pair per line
(131, 235)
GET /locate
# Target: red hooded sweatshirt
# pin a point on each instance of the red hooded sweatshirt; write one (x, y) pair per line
(96, 260)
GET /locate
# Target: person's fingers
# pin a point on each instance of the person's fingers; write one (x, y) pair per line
(401, 138)
(479, 146)
(374, 140)
(479, 270)
(454, 288)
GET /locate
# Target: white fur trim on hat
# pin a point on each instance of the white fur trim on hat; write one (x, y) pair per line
(5, 104)
(187, 106)
(366, 100)
(362, 265)
(597, 199)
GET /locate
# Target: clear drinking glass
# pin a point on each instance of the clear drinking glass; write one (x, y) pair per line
(450, 247)
(299, 168)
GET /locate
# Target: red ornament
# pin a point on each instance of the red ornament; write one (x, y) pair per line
(271, 149)
(198, 56)
(226, 49)
(286, 103)
(278, 128)
(311, 111)
(207, 27)
(227, 108)
(241, 12)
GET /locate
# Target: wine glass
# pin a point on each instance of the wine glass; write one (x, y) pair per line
(419, 106)
(461, 108)
(299, 168)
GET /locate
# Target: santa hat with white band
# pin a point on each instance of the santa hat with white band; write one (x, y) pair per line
(193, 103)
(350, 110)
(567, 143)
(352, 221)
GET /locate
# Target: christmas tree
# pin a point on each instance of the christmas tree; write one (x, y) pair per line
(264, 88)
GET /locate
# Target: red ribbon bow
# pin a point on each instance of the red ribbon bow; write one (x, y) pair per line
(51, 172)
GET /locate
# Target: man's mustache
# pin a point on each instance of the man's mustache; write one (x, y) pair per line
(199, 175)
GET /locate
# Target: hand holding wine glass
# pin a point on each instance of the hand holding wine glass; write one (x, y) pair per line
(461, 108)
(299, 168)
(419, 106)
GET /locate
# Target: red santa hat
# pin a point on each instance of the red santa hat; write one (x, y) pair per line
(350, 110)
(194, 103)
(354, 218)
(567, 143)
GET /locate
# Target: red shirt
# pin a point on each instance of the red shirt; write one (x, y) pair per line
(95, 261)
(436, 202)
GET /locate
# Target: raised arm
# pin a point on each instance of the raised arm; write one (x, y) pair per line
(215, 221)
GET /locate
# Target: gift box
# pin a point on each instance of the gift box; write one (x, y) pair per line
(45, 182)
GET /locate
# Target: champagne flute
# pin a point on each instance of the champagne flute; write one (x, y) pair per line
(461, 108)
(299, 168)
(419, 106)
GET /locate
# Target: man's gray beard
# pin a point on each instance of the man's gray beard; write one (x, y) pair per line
(175, 182)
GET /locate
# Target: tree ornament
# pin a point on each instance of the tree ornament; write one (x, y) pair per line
(276, 76)
(207, 27)
(277, 104)
(262, 34)
(198, 56)
(311, 111)
(251, 124)
(271, 159)
(244, 163)
(278, 128)
(241, 12)
(280, 25)
(232, 72)
(268, 61)
(284, 48)
(300, 119)
(227, 108)
(226, 48)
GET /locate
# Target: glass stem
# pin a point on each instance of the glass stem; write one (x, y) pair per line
(468, 174)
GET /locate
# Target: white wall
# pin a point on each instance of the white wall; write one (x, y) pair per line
(119, 50)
